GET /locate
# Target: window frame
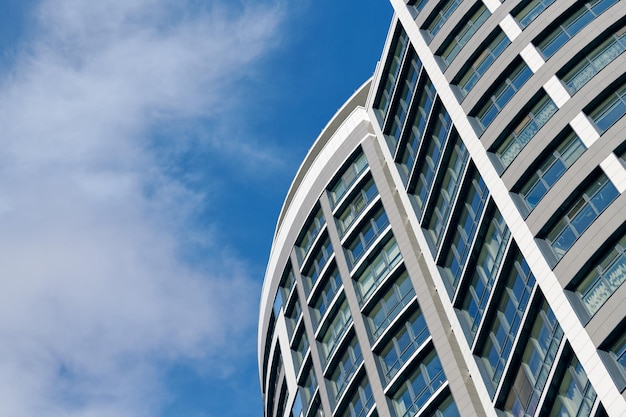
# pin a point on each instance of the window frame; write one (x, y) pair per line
(467, 78)
(514, 77)
(569, 148)
(579, 205)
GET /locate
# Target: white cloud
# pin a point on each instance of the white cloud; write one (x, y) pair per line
(94, 294)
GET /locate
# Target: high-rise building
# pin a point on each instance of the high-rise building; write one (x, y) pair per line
(454, 243)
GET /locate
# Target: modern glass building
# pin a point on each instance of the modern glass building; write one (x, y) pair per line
(454, 243)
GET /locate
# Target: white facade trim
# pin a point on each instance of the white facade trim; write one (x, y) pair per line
(584, 129)
(556, 91)
(532, 57)
(510, 27)
(614, 169)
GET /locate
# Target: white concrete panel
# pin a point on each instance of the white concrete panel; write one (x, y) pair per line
(584, 129)
(532, 57)
(510, 27)
(616, 172)
(556, 91)
(492, 5)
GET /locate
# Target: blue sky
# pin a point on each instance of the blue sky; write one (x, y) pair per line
(147, 146)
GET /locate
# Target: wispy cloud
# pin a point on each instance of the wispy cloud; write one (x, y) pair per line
(95, 295)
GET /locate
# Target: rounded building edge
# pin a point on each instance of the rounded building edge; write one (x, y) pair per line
(357, 100)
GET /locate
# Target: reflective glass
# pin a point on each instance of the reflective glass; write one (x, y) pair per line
(345, 368)
(504, 91)
(343, 184)
(576, 395)
(419, 387)
(441, 14)
(368, 233)
(595, 59)
(401, 347)
(470, 76)
(525, 130)
(604, 279)
(531, 10)
(434, 148)
(390, 305)
(580, 214)
(359, 202)
(456, 157)
(537, 360)
(575, 21)
(388, 81)
(464, 33)
(485, 272)
(506, 324)
(379, 266)
(455, 255)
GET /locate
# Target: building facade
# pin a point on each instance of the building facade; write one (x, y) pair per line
(454, 243)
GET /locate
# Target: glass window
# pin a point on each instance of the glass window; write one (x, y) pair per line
(553, 166)
(370, 230)
(419, 119)
(277, 369)
(316, 409)
(580, 214)
(594, 59)
(288, 283)
(610, 110)
(308, 387)
(282, 400)
(358, 204)
(447, 187)
(300, 349)
(404, 344)
(434, 143)
(313, 228)
(402, 101)
(419, 387)
(336, 329)
(327, 294)
(440, 15)
(506, 323)
(447, 409)
(361, 402)
(484, 273)
(618, 351)
(345, 368)
(417, 5)
(502, 94)
(526, 129)
(278, 304)
(576, 395)
(346, 180)
(378, 267)
(464, 32)
(296, 410)
(606, 277)
(464, 229)
(572, 22)
(292, 316)
(391, 303)
(392, 69)
(470, 75)
(537, 360)
(529, 10)
(319, 260)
